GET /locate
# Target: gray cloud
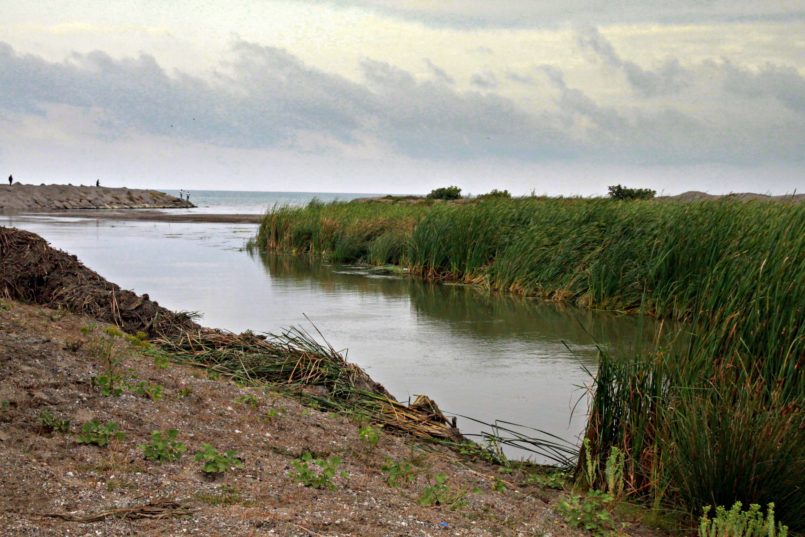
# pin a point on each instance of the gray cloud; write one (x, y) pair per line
(438, 72)
(264, 97)
(668, 79)
(531, 13)
(485, 80)
(779, 82)
(431, 120)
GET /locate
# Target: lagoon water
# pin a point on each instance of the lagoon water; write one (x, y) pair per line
(481, 355)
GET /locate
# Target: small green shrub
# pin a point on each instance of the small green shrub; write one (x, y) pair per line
(499, 485)
(445, 193)
(590, 512)
(108, 384)
(439, 493)
(216, 462)
(146, 389)
(163, 447)
(736, 522)
(369, 435)
(398, 472)
(110, 381)
(50, 423)
(618, 192)
(496, 194)
(317, 473)
(95, 433)
(184, 391)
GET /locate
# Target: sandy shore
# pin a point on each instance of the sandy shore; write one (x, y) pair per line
(19, 197)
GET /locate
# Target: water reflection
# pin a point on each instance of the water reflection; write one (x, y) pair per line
(472, 312)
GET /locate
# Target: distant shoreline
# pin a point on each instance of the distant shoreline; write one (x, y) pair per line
(21, 197)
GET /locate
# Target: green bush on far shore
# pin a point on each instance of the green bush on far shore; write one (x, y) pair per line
(445, 193)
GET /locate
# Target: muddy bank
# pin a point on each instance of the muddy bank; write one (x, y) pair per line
(20, 197)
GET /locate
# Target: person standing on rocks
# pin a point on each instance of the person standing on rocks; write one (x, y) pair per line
(98, 183)
(10, 180)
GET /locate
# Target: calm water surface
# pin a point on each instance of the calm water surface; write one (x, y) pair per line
(480, 355)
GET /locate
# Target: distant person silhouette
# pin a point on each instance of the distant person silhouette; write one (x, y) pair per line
(98, 182)
(10, 180)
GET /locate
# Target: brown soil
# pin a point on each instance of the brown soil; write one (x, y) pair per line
(51, 485)
(20, 197)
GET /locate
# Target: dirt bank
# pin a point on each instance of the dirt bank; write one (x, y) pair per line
(19, 197)
(51, 484)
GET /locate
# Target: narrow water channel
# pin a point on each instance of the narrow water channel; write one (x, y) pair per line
(476, 354)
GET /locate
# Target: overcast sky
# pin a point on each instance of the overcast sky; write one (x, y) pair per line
(391, 96)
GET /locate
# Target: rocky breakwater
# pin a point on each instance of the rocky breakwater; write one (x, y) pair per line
(18, 197)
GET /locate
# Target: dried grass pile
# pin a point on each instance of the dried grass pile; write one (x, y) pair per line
(32, 271)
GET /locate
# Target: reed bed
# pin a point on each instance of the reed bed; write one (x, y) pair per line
(712, 421)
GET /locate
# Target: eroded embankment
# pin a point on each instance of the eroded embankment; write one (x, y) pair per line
(18, 197)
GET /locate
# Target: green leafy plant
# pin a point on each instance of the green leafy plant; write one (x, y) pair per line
(735, 522)
(216, 462)
(439, 493)
(93, 432)
(613, 472)
(369, 435)
(590, 512)
(110, 381)
(317, 473)
(163, 446)
(398, 472)
(552, 480)
(499, 485)
(445, 193)
(50, 423)
(146, 389)
(184, 391)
